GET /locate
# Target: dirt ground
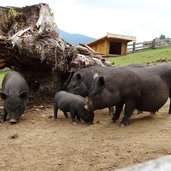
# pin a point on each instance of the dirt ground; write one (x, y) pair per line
(40, 143)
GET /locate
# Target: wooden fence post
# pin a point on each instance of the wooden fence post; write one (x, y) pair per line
(133, 47)
(153, 44)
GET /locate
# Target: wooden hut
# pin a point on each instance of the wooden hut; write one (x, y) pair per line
(111, 44)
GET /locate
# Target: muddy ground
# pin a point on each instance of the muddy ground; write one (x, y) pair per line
(40, 143)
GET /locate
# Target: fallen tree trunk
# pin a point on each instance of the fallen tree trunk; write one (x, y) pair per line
(31, 44)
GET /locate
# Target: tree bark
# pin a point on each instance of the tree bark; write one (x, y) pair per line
(31, 44)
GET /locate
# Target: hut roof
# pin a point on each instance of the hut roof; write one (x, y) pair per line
(114, 36)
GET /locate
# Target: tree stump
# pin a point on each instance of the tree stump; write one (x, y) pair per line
(31, 44)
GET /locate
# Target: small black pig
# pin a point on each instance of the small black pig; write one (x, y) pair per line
(75, 104)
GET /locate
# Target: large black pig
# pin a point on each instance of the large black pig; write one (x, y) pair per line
(145, 89)
(81, 81)
(15, 95)
(75, 104)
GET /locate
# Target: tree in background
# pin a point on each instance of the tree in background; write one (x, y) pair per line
(162, 37)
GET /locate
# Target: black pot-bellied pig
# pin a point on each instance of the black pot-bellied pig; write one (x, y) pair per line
(74, 104)
(81, 81)
(15, 95)
(145, 89)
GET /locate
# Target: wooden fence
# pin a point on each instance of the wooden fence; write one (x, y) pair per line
(155, 43)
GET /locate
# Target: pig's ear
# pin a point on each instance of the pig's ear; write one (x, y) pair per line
(101, 81)
(4, 96)
(78, 76)
(23, 95)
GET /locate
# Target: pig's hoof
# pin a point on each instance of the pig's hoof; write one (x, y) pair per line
(74, 123)
(122, 125)
(1, 119)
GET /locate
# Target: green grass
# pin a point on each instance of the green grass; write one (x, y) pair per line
(1, 77)
(143, 57)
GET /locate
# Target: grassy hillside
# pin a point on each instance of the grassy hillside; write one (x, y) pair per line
(144, 57)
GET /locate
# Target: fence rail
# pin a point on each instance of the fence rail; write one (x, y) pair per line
(156, 43)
